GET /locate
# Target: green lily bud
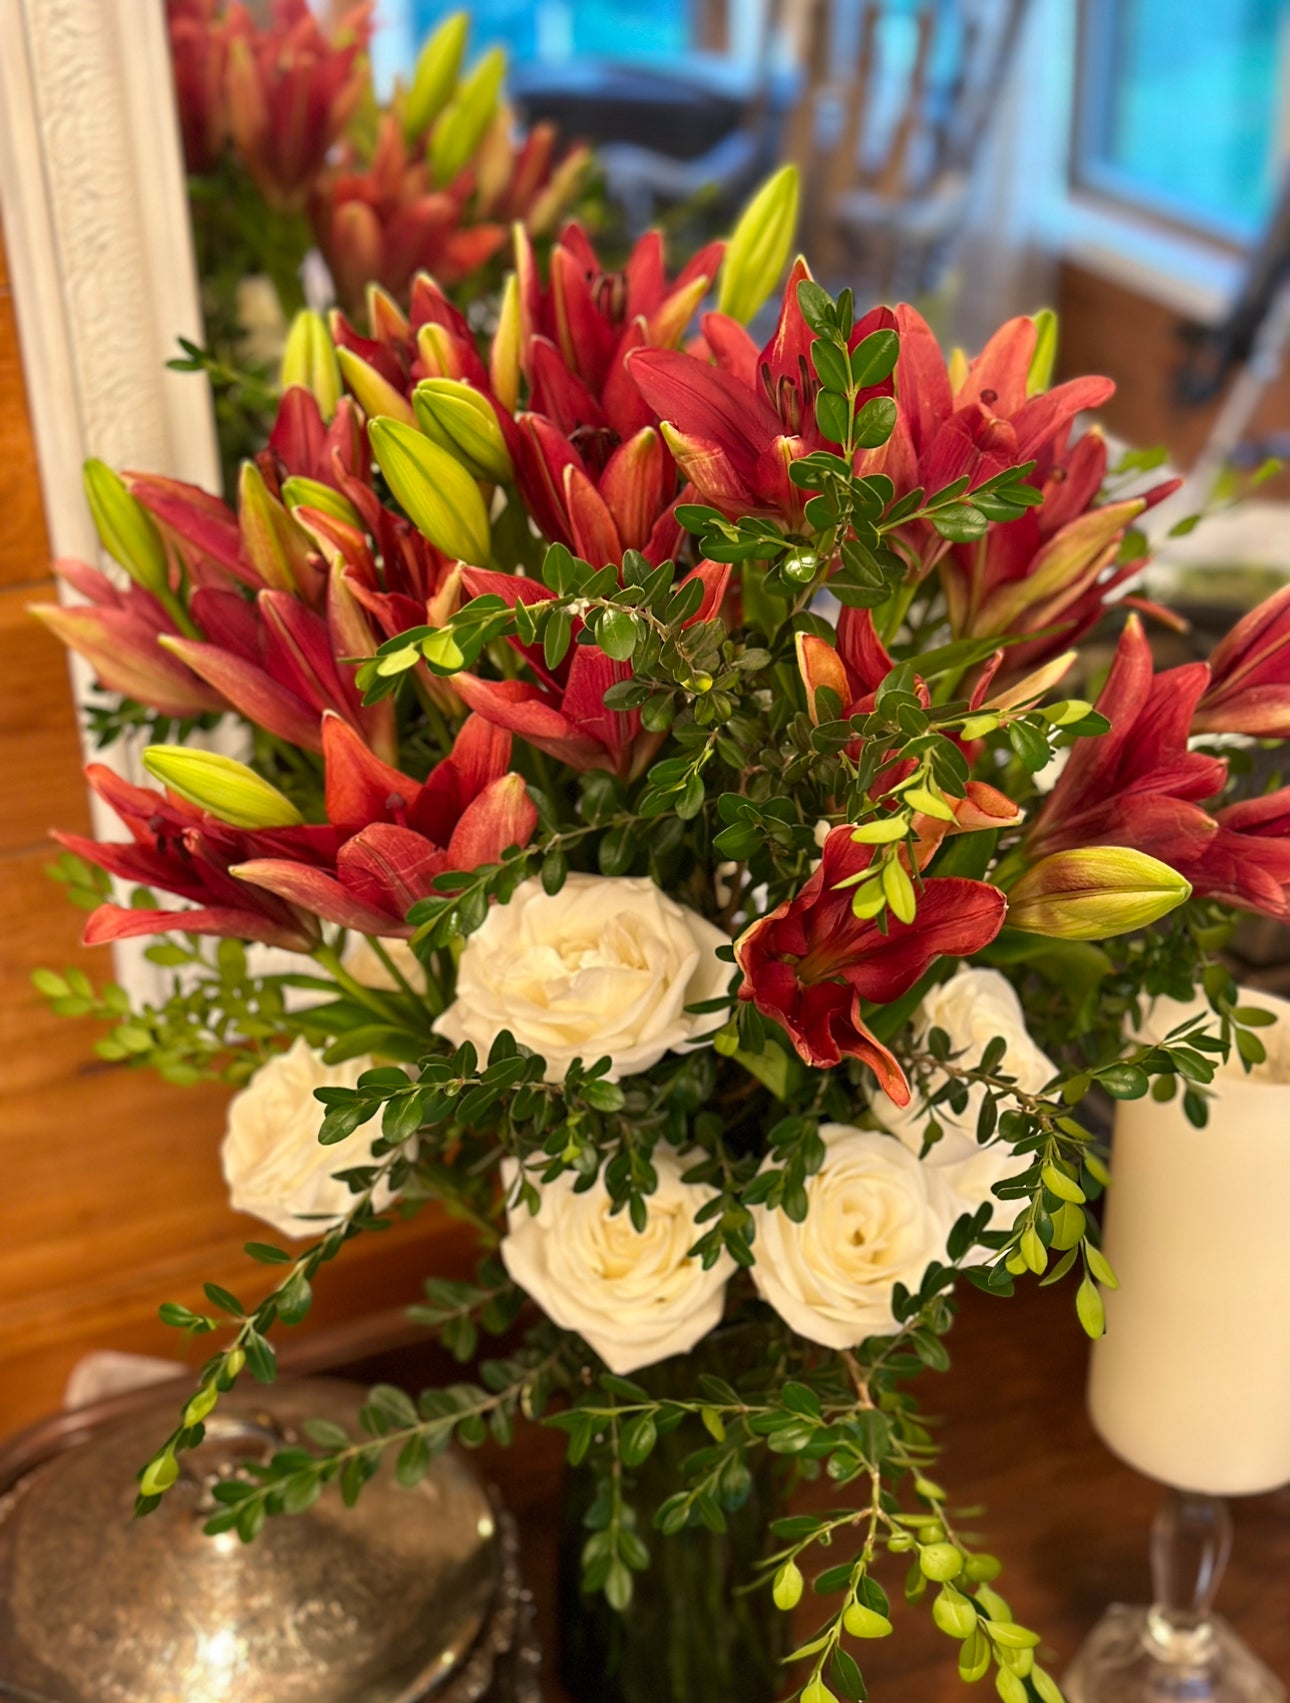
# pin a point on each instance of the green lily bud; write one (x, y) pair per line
(504, 357)
(1094, 892)
(460, 420)
(126, 529)
(1040, 375)
(435, 77)
(301, 493)
(309, 360)
(373, 392)
(228, 790)
(436, 492)
(758, 248)
(465, 120)
(276, 546)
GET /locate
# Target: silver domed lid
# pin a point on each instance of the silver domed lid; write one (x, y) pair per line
(380, 1603)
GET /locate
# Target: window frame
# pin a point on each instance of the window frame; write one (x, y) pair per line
(1102, 184)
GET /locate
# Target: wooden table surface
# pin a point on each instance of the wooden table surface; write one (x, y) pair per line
(1069, 1522)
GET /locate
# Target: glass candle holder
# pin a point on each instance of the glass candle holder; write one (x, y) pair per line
(1191, 1383)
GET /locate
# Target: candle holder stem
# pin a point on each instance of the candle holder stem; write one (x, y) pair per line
(1191, 1540)
(1177, 1650)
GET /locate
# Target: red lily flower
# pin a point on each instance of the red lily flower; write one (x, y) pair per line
(1249, 690)
(277, 662)
(180, 849)
(735, 427)
(564, 712)
(589, 461)
(198, 57)
(117, 630)
(810, 964)
(1138, 784)
(291, 91)
(385, 223)
(1248, 861)
(984, 422)
(396, 834)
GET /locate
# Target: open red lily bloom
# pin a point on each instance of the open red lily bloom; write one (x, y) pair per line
(394, 834)
(563, 713)
(589, 462)
(291, 91)
(385, 223)
(980, 420)
(198, 57)
(736, 427)
(179, 849)
(1138, 782)
(1139, 785)
(811, 963)
(117, 630)
(1249, 689)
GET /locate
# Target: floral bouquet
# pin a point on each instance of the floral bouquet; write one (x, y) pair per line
(289, 153)
(700, 882)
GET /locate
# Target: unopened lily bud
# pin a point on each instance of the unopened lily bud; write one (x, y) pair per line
(1040, 375)
(276, 546)
(374, 393)
(759, 246)
(438, 495)
(465, 120)
(558, 191)
(309, 360)
(227, 789)
(125, 527)
(1094, 892)
(435, 77)
(301, 493)
(504, 358)
(460, 420)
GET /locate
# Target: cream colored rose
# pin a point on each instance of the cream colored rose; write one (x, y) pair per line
(877, 1218)
(606, 966)
(363, 962)
(274, 1165)
(634, 1296)
(972, 1007)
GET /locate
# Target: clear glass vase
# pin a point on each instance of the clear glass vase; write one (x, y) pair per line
(691, 1633)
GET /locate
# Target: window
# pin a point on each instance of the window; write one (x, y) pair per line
(1182, 109)
(560, 29)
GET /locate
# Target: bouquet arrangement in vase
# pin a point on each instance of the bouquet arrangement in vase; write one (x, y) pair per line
(702, 880)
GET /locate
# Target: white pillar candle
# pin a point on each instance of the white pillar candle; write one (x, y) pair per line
(1191, 1383)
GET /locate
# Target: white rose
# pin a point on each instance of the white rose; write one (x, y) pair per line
(972, 1007)
(605, 966)
(635, 1296)
(363, 962)
(877, 1218)
(274, 1165)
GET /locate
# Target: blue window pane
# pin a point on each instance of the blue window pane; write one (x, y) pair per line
(558, 29)
(1181, 107)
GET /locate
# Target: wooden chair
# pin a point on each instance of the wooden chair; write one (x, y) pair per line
(898, 100)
